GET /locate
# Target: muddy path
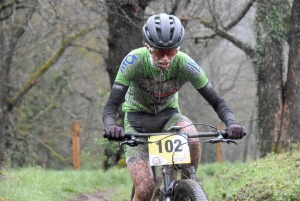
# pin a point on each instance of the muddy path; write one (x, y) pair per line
(95, 196)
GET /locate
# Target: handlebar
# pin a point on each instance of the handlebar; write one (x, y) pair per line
(131, 138)
(189, 135)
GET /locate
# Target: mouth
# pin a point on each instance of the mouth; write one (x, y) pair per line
(164, 65)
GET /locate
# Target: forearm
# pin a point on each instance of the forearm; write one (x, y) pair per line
(113, 103)
(218, 104)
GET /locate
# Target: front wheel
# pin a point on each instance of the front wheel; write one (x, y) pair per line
(189, 190)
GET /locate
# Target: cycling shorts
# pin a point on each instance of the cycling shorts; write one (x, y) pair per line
(148, 123)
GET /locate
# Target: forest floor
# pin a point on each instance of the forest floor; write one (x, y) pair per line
(95, 196)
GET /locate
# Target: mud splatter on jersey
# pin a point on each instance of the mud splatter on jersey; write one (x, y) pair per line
(151, 90)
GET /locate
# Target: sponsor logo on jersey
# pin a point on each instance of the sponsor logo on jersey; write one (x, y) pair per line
(117, 87)
(128, 60)
(144, 88)
(151, 87)
(193, 68)
(164, 94)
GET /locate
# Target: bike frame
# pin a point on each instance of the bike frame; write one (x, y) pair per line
(132, 139)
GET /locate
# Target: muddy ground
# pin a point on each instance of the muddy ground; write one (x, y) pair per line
(96, 196)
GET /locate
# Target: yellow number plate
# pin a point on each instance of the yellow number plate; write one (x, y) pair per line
(168, 149)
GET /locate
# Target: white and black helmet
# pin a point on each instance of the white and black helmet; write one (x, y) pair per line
(163, 31)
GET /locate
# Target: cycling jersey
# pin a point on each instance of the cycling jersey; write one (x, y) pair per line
(152, 90)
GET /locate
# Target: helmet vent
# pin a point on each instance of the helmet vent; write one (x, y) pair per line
(171, 33)
(159, 33)
(157, 20)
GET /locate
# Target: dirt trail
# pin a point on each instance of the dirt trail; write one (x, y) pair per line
(96, 196)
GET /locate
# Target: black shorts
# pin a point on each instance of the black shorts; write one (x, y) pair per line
(148, 123)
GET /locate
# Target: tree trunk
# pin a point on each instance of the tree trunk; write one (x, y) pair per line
(291, 126)
(269, 72)
(6, 53)
(125, 20)
(124, 32)
(4, 91)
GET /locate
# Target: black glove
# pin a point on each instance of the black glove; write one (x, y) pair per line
(114, 133)
(235, 131)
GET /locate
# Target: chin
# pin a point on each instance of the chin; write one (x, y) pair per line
(163, 68)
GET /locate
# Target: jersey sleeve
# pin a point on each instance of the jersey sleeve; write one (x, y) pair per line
(195, 74)
(126, 70)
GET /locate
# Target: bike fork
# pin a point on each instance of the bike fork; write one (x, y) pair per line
(168, 184)
(167, 187)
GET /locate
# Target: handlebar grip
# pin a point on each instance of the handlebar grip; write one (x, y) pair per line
(224, 134)
(105, 134)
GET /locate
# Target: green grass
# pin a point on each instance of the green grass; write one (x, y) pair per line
(49, 185)
(275, 177)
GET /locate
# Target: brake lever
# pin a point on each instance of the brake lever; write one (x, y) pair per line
(229, 141)
(221, 139)
(133, 142)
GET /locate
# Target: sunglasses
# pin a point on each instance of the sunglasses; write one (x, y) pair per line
(160, 53)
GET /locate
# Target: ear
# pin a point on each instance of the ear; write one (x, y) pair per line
(148, 47)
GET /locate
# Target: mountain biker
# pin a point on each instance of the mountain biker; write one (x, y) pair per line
(149, 79)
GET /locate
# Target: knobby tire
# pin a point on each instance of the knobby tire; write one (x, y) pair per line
(187, 190)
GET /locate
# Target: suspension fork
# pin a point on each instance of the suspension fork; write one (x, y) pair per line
(166, 170)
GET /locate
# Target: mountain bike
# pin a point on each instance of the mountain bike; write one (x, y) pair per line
(170, 151)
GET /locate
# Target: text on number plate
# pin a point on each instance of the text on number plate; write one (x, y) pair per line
(167, 149)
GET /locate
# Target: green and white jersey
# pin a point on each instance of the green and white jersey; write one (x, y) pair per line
(151, 90)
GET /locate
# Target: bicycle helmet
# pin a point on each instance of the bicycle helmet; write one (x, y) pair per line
(163, 31)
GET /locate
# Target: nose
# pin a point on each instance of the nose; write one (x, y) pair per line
(165, 57)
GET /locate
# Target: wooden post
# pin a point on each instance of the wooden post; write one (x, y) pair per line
(76, 145)
(219, 148)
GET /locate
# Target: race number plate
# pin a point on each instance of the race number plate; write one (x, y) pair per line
(168, 149)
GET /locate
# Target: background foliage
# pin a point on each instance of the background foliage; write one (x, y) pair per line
(58, 60)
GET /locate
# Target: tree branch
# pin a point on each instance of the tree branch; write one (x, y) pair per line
(175, 7)
(222, 33)
(42, 69)
(5, 6)
(232, 23)
(241, 15)
(43, 143)
(68, 112)
(89, 49)
(12, 5)
(49, 107)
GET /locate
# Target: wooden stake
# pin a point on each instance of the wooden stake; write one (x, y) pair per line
(76, 145)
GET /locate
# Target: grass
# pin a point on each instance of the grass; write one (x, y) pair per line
(275, 177)
(50, 185)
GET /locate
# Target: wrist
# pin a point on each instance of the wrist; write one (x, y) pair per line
(109, 121)
(232, 123)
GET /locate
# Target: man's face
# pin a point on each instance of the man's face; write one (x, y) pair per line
(162, 58)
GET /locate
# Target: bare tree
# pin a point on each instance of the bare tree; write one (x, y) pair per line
(273, 94)
(36, 38)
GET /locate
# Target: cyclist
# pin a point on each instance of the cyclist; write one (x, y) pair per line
(149, 79)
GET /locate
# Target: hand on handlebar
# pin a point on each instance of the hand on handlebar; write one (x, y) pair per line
(235, 131)
(113, 132)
